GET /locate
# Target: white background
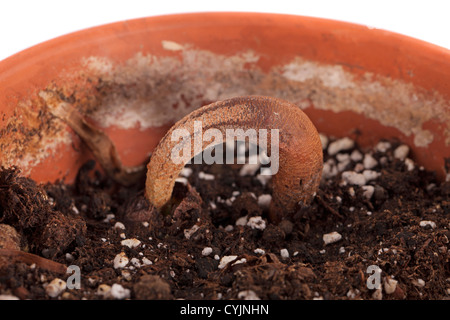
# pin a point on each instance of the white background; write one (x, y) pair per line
(26, 23)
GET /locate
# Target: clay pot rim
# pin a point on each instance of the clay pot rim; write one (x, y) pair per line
(425, 57)
(52, 41)
(199, 19)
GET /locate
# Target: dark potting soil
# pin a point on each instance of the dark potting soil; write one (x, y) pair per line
(375, 210)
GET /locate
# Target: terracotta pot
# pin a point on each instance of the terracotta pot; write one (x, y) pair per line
(133, 79)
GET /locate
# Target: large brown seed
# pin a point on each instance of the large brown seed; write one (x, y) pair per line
(300, 149)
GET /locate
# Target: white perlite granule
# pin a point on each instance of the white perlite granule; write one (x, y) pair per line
(103, 289)
(418, 283)
(8, 297)
(323, 140)
(119, 292)
(331, 237)
(226, 260)
(264, 201)
(368, 191)
(248, 295)
(249, 169)
(369, 162)
(186, 172)
(242, 221)
(370, 175)
(265, 176)
(256, 223)
(354, 178)
(182, 180)
(130, 243)
(243, 260)
(390, 285)
(284, 253)
(205, 176)
(207, 251)
(120, 261)
(340, 145)
(356, 156)
(383, 146)
(401, 152)
(55, 288)
(135, 262)
(119, 225)
(425, 223)
(409, 164)
(259, 251)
